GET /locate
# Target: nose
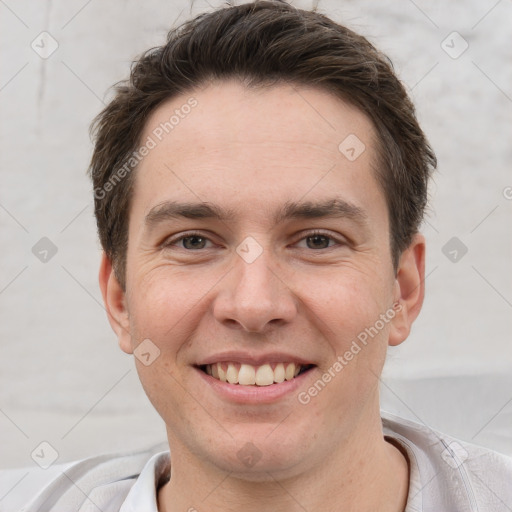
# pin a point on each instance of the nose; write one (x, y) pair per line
(254, 296)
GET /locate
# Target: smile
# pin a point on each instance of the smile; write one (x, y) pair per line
(249, 375)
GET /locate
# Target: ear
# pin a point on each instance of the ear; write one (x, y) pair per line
(115, 304)
(409, 290)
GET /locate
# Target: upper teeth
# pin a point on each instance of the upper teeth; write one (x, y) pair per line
(248, 375)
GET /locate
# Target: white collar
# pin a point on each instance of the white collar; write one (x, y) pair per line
(143, 494)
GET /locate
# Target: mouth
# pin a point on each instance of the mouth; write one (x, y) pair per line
(244, 374)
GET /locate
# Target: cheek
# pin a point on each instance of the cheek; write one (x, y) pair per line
(165, 310)
(165, 304)
(347, 314)
(346, 301)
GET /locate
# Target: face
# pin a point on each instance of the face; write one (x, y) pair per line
(257, 243)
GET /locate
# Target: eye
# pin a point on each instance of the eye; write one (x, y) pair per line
(318, 240)
(189, 242)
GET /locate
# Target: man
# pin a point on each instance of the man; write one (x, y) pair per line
(259, 184)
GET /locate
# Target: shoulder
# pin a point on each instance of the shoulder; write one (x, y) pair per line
(451, 472)
(104, 480)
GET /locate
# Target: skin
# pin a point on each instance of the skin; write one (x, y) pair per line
(251, 151)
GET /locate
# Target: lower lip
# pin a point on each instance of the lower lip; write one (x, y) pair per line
(254, 394)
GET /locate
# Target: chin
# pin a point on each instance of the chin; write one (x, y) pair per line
(265, 469)
(260, 453)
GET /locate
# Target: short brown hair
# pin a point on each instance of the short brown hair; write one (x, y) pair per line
(263, 43)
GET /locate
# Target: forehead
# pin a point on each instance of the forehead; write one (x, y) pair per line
(255, 146)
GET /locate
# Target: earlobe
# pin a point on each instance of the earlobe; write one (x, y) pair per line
(115, 304)
(409, 290)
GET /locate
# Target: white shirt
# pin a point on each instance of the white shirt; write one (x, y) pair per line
(446, 475)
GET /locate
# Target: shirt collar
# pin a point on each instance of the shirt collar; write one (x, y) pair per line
(143, 494)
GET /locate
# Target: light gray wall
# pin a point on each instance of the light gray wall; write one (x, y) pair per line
(62, 378)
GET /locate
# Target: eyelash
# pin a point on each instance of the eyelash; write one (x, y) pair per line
(171, 242)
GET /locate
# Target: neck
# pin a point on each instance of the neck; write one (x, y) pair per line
(366, 474)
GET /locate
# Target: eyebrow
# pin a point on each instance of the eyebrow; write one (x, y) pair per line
(334, 208)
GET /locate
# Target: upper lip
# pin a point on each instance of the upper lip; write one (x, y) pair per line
(253, 359)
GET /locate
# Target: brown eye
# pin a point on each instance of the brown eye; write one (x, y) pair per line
(318, 241)
(193, 242)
